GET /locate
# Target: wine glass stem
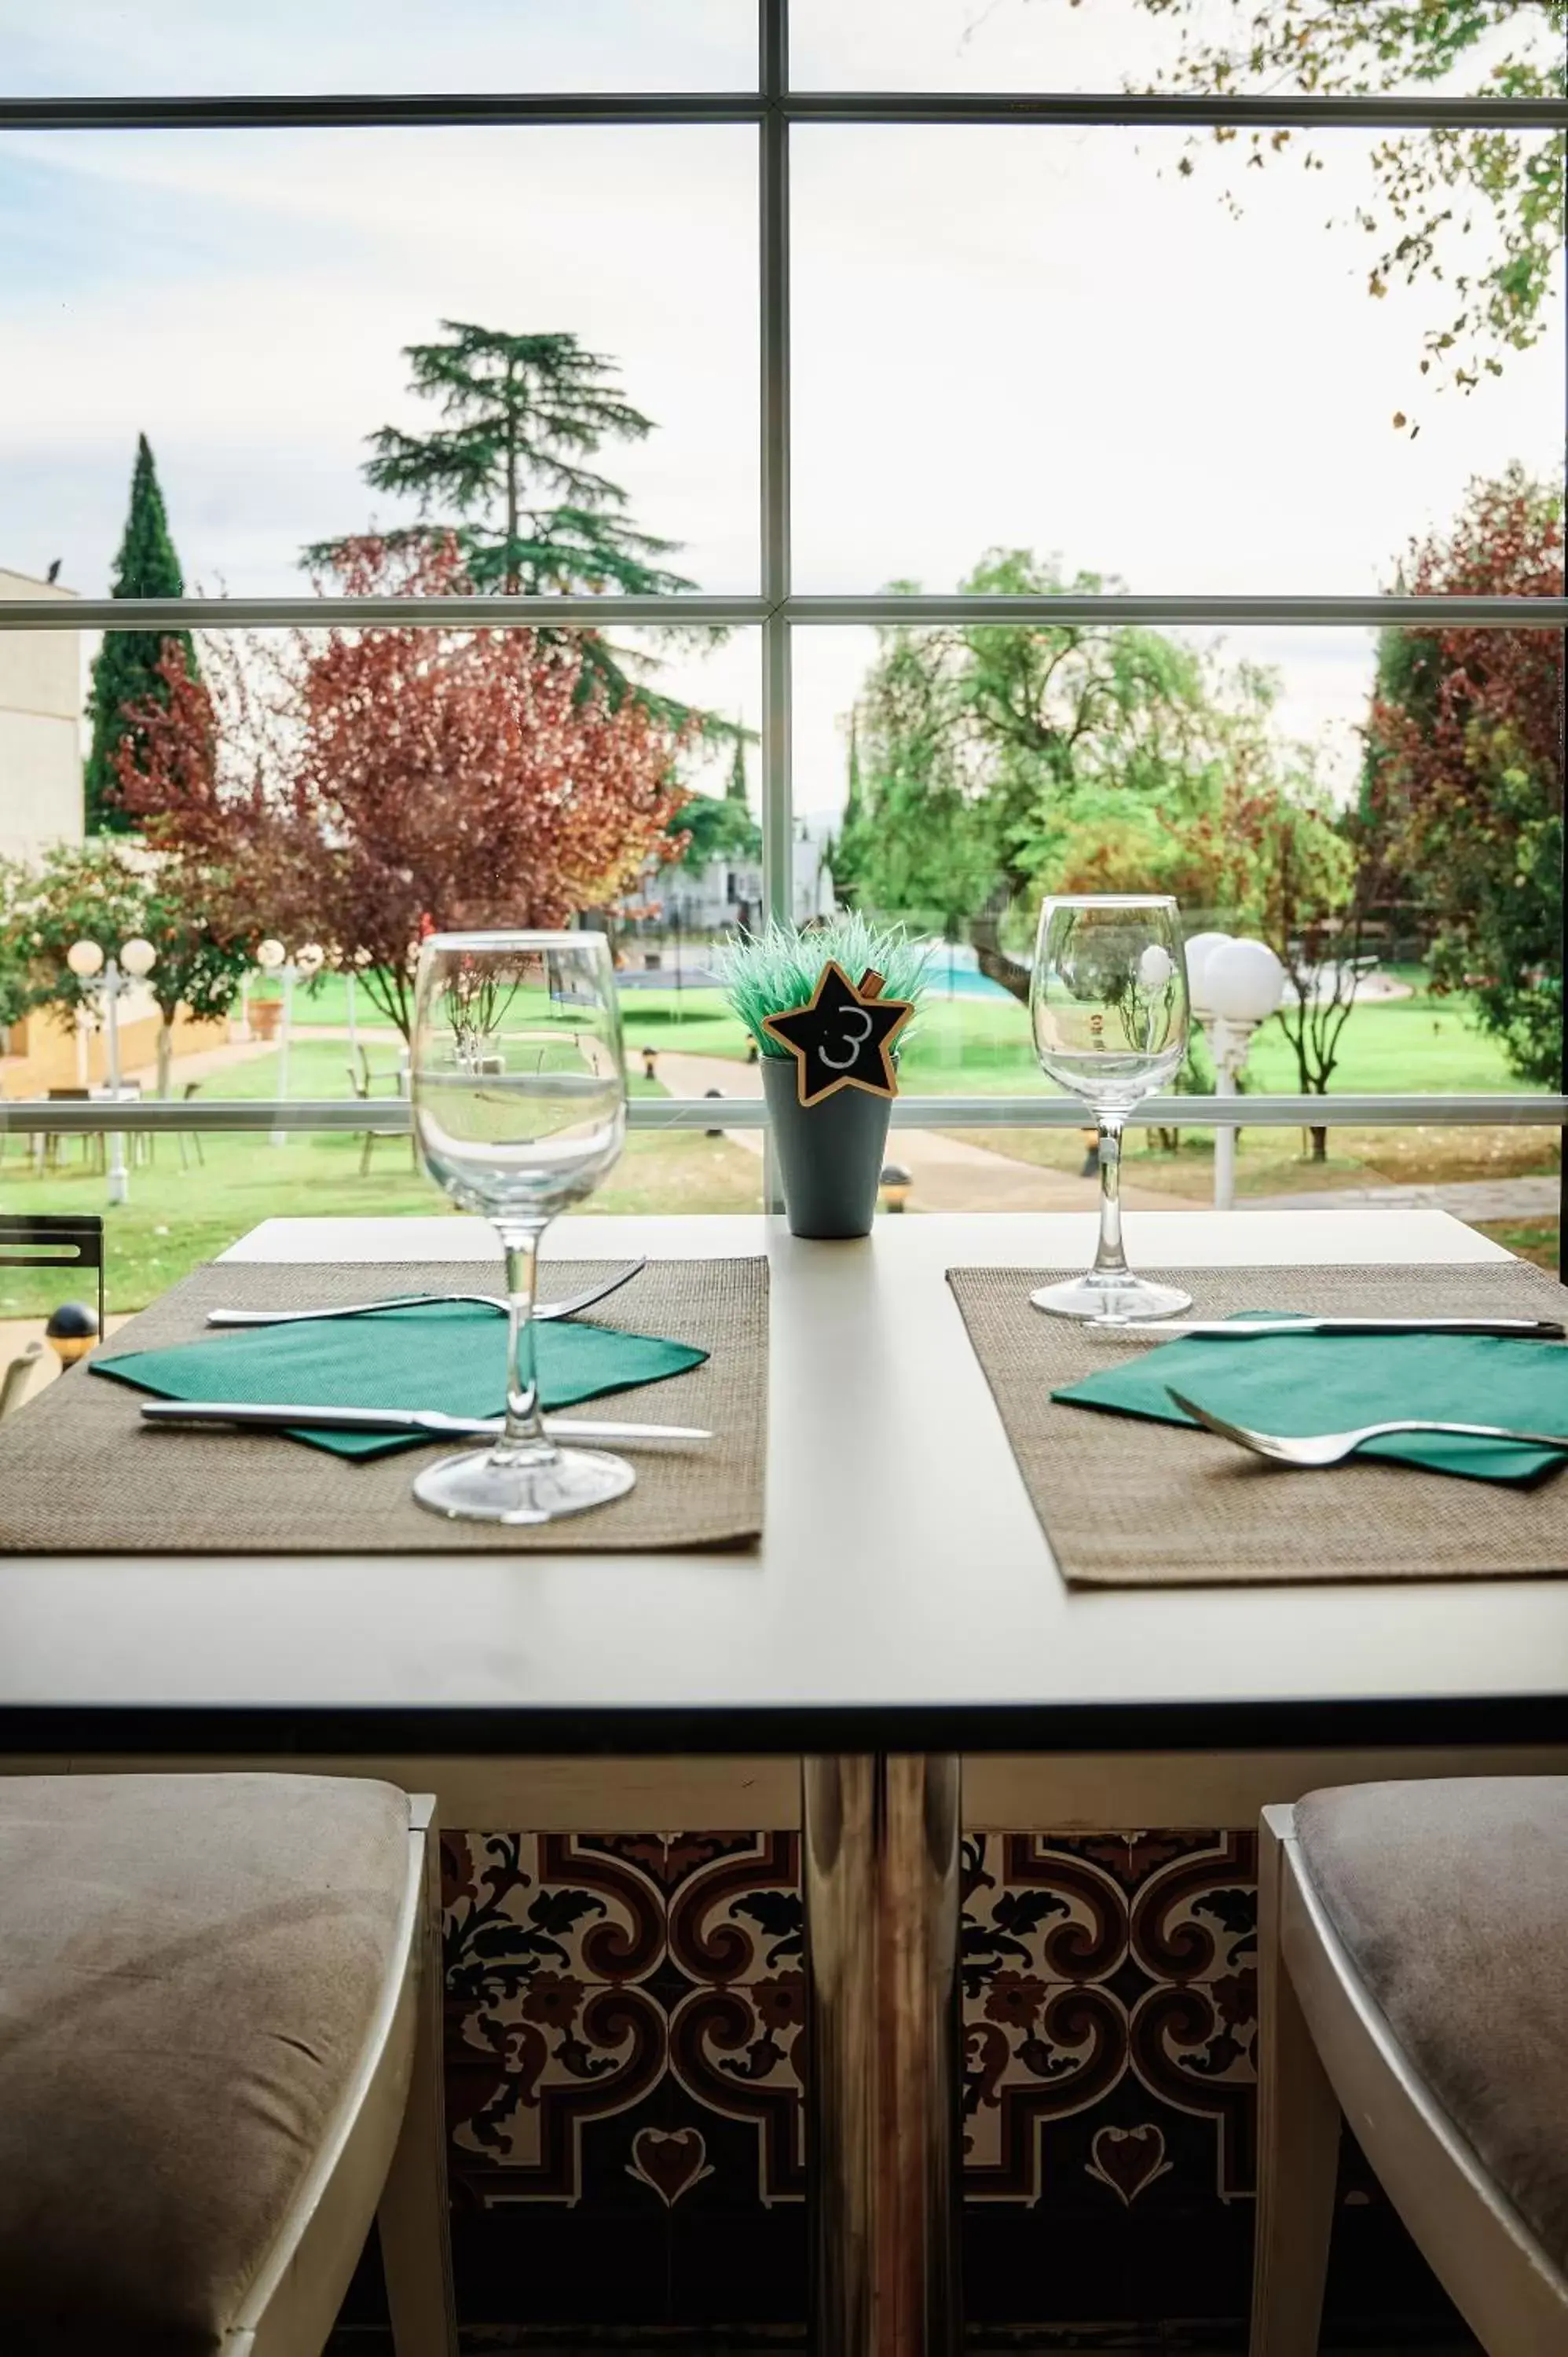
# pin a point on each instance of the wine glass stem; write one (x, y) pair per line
(524, 1432)
(1110, 1260)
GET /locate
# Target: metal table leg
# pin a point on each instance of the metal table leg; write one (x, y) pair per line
(880, 1863)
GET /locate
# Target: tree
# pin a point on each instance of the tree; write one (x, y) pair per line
(1462, 781)
(1431, 184)
(363, 786)
(508, 473)
(986, 745)
(129, 666)
(108, 893)
(917, 840)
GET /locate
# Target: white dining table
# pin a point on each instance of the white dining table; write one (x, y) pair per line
(901, 1628)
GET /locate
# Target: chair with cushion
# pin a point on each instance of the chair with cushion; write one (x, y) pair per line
(219, 2000)
(1412, 1947)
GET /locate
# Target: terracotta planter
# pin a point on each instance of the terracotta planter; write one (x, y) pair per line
(829, 1155)
(266, 1014)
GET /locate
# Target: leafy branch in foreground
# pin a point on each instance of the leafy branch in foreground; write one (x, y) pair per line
(1437, 189)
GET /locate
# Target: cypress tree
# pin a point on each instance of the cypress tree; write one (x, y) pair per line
(126, 669)
(735, 789)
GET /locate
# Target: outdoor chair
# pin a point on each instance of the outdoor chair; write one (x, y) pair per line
(364, 1083)
(16, 1377)
(1413, 1950)
(64, 1240)
(93, 1150)
(228, 1993)
(186, 1142)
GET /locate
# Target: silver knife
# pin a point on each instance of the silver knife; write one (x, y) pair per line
(1247, 1330)
(429, 1420)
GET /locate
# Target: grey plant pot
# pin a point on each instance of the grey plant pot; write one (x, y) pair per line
(829, 1155)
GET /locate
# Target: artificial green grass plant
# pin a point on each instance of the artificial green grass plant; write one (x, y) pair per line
(767, 973)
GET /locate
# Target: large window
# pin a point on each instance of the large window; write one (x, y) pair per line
(1048, 441)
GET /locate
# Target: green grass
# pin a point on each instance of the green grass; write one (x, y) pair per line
(179, 1217)
(981, 1047)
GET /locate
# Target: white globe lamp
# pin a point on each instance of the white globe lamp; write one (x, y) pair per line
(310, 958)
(1199, 950)
(1242, 982)
(85, 959)
(138, 957)
(270, 955)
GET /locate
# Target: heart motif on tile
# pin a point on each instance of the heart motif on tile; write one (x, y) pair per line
(1127, 2160)
(670, 2162)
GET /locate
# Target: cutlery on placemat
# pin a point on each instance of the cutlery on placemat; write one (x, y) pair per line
(567, 1308)
(434, 1421)
(1249, 1330)
(1319, 1448)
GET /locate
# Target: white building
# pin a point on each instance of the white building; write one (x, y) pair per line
(41, 729)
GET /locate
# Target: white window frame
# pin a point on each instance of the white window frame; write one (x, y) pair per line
(779, 610)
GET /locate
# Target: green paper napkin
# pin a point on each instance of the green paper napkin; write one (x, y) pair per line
(451, 1355)
(1301, 1384)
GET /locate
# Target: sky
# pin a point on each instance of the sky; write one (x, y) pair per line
(1031, 337)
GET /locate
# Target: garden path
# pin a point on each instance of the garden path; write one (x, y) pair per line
(948, 1173)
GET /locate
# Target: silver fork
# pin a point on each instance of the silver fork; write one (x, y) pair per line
(1332, 1448)
(567, 1308)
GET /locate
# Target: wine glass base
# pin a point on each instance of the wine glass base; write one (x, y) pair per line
(1118, 1295)
(478, 1487)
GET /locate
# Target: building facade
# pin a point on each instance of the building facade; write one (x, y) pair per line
(41, 729)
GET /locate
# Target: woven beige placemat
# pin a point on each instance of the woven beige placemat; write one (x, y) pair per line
(80, 1474)
(1126, 1503)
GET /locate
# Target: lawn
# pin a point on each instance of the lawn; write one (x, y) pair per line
(981, 1046)
(179, 1216)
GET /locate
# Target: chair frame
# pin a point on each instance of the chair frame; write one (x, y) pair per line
(382, 2155)
(1324, 2049)
(54, 1232)
(15, 1377)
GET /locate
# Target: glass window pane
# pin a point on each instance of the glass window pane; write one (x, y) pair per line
(457, 814)
(107, 49)
(1241, 46)
(246, 300)
(1384, 814)
(1056, 339)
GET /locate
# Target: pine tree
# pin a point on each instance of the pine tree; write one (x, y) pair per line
(509, 472)
(127, 668)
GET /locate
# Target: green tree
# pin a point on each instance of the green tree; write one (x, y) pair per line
(719, 826)
(127, 669)
(102, 892)
(1463, 780)
(509, 471)
(1478, 211)
(986, 744)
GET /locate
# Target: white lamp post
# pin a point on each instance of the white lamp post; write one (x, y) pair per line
(135, 962)
(1236, 987)
(273, 958)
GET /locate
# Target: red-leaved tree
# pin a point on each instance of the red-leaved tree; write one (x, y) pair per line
(1464, 771)
(361, 786)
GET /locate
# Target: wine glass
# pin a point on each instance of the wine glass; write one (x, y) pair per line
(519, 1097)
(1107, 998)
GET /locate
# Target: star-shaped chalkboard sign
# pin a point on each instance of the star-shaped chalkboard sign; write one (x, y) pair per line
(842, 1037)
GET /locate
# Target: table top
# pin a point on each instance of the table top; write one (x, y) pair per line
(904, 1596)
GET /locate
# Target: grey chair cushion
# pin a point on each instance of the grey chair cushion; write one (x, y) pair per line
(1452, 1899)
(189, 1966)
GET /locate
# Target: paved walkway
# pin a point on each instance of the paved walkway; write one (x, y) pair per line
(948, 1174)
(1467, 1199)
